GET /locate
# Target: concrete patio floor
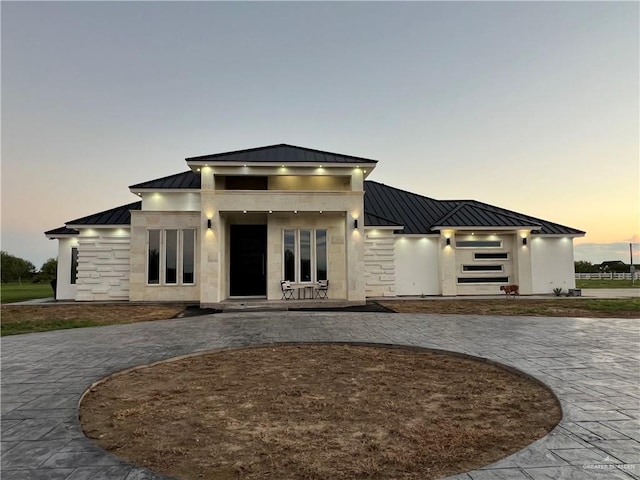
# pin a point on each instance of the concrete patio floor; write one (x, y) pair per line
(593, 366)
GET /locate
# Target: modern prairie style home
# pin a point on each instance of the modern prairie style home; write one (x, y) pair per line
(237, 224)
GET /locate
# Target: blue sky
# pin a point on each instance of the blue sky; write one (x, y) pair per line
(530, 106)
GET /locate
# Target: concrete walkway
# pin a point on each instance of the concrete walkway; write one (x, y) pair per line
(593, 365)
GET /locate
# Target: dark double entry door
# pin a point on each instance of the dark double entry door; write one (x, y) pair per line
(248, 259)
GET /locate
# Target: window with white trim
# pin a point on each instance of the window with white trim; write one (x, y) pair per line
(171, 256)
(304, 254)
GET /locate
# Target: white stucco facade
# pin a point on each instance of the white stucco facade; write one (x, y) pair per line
(65, 283)
(552, 264)
(417, 260)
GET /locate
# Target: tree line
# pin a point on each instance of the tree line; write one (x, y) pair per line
(15, 269)
(582, 266)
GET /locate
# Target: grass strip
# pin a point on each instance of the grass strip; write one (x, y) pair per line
(15, 292)
(28, 326)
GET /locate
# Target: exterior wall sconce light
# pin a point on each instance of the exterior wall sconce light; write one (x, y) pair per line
(524, 241)
(355, 224)
(209, 223)
(448, 242)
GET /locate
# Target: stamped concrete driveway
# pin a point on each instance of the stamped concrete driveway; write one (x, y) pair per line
(591, 364)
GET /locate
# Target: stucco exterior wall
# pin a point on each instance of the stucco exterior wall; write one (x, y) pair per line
(465, 256)
(171, 202)
(551, 264)
(320, 182)
(141, 222)
(103, 264)
(379, 263)
(417, 265)
(65, 290)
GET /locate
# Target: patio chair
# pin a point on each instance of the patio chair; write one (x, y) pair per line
(287, 290)
(322, 288)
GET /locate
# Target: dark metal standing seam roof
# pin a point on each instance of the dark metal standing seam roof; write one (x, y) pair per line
(281, 153)
(62, 231)
(468, 215)
(416, 213)
(182, 180)
(371, 220)
(114, 216)
(420, 214)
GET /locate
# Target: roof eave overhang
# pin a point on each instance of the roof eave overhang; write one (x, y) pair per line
(559, 235)
(485, 228)
(163, 190)
(419, 235)
(79, 226)
(385, 227)
(61, 235)
(210, 163)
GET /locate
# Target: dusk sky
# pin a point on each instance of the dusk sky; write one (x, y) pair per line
(533, 107)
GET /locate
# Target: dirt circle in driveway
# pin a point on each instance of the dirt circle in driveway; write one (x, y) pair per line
(318, 412)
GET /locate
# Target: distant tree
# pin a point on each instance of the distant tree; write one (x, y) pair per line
(49, 270)
(15, 269)
(582, 266)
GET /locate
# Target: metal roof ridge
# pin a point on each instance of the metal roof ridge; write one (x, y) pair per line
(212, 156)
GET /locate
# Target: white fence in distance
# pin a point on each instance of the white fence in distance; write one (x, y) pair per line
(607, 276)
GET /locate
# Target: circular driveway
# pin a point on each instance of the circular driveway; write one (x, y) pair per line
(592, 365)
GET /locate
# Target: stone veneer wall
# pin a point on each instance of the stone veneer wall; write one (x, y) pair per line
(379, 263)
(141, 222)
(103, 265)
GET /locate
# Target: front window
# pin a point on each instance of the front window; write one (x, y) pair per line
(321, 255)
(171, 257)
(290, 255)
(188, 256)
(153, 259)
(74, 265)
(304, 255)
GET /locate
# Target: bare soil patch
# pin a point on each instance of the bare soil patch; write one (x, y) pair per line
(318, 412)
(563, 307)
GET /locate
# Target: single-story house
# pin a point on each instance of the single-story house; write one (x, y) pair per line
(236, 224)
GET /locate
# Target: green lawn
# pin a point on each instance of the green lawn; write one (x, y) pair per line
(16, 328)
(595, 283)
(14, 292)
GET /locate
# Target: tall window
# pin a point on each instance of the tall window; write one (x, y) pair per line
(171, 257)
(74, 265)
(321, 254)
(304, 255)
(188, 256)
(289, 255)
(153, 259)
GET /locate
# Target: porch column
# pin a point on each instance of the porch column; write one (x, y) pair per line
(447, 255)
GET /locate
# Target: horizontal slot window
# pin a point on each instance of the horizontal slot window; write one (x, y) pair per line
(478, 243)
(491, 256)
(483, 279)
(482, 268)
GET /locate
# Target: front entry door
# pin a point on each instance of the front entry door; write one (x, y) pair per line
(248, 255)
